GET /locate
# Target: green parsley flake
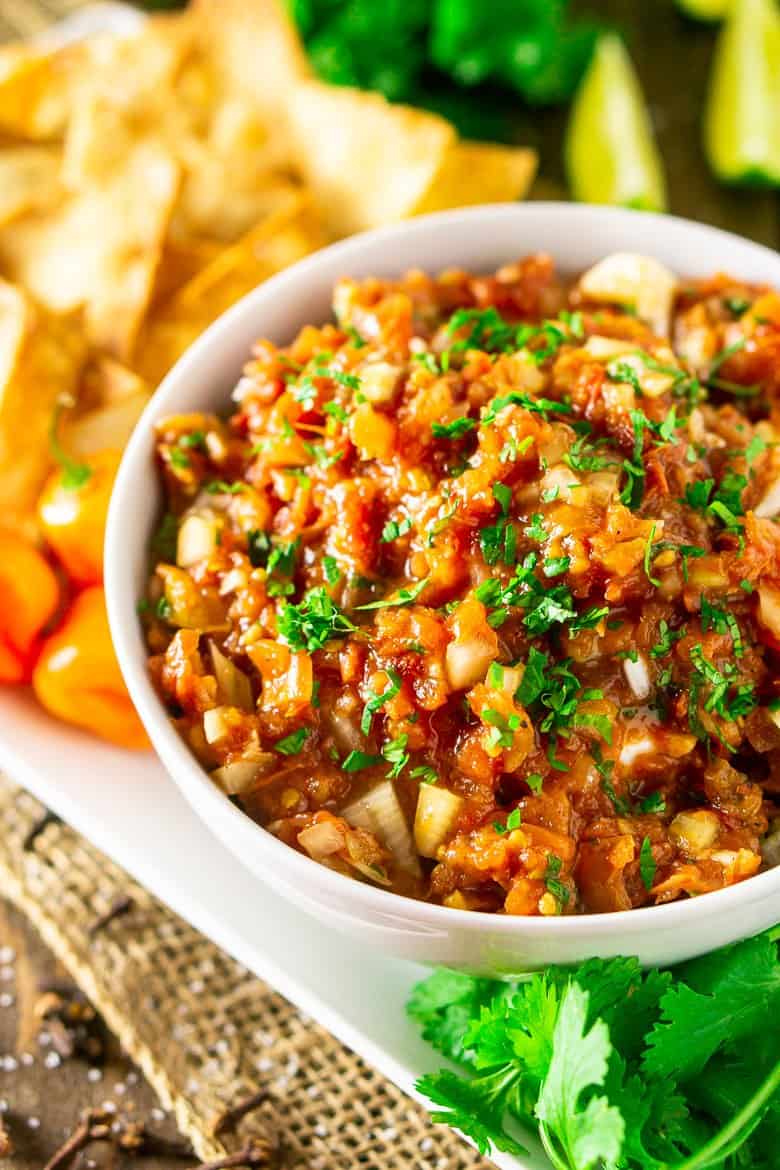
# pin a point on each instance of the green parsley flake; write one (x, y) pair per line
(453, 430)
(313, 622)
(376, 702)
(292, 744)
(404, 597)
(647, 866)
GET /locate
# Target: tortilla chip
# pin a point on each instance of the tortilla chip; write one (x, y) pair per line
(36, 89)
(41, 355)
(255, 50)
(182, 258)
(110, 402)
(278, 241)
(367, 162)
(127, 94)
(479, 172)
(29, 180)
(231, 161)
(100, 249)
(240, 175)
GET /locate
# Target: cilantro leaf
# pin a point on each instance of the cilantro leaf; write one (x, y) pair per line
(719, 999)
(475, 1107)
(578, 1132)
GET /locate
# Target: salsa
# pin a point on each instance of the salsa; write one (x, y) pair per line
(476, 594)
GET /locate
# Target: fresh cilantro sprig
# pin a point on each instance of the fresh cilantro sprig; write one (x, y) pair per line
(313, 622)
(611, 1066)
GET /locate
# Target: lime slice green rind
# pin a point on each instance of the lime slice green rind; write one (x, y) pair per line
(742, 116)
(710, 10)
(610, 151)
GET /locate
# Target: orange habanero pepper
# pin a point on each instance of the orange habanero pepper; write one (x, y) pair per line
(72, 512)
(29, 596)
(77, 677)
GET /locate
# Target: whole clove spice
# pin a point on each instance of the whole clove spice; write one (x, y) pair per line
(259, 1152)
(119, 907)
(35, 830)
(73, 1025)
(230, 1116)
(98, 1125)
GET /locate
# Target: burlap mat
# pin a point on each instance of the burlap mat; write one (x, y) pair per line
(207, 1033)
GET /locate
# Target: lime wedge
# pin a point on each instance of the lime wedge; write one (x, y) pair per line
(610, 152)
(742, 117)
(705, 9)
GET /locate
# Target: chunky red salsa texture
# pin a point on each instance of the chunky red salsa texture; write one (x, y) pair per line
(476, 595)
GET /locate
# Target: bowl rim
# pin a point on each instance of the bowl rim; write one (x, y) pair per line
(194, 781)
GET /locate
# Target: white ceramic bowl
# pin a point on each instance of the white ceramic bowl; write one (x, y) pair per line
(479, 239)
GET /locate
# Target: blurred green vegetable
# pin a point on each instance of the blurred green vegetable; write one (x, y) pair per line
(742, 118)
(375, 46)
(612, 1066)
(705, 9)
(610, 151)
(531, 45)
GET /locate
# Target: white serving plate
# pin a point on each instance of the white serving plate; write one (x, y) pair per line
(126, 803)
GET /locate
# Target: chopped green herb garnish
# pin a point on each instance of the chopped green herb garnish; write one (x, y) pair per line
(647, 864)
(394, 753)
(404, 597)
(375, 702)
(357, 761)
(313, 622)
(453, 430)
(654, 802)
(293, 743)
(395, 528)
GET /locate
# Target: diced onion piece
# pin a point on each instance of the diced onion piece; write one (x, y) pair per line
(236, 777)
(634, 748)
(379, 381)
(233, 581)
(197, 539)
(321, 840)
(637, 676)
(606, 348)
(216, 725)
(566, 482)
(769, 608)
(235, 688)
(769, 504)
(774, 715)
(474, 646)
(379, 812)
(467, 662)
(437, 811)
(511, 677)
(654, 383)
(628, 278)
(695, 832)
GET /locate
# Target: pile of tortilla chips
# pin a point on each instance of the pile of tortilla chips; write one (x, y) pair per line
(149, 181)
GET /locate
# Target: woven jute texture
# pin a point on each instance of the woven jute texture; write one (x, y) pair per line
(207, 1033)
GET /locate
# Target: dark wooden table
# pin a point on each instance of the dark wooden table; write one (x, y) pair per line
(673, 57)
